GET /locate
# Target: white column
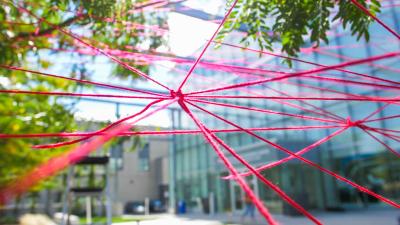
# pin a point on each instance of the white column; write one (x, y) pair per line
(108, 196)
(232, 187)
(255, 185)
(147, 206)
(88, 210)
(211, 203)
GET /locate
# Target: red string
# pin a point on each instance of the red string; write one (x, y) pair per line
(386, 130)
(121, 128)
(381, 142)
(366, 11)
(330, 90)
(207, 45)
(298, 153)
(50, 93)
(79, 80)
(324, 112)
(363, 99)
(265, 111)
(391, 136)
(383, 118)
(208, 137)
(69, 33)
(118, 122)
(301, 152)
(163, 132)
(343, 81)
(274, 187)
(238, 69)
(337, 176)
(328, 53)
(308, 62)
(375, 112)
(308, 72)
(60, 162)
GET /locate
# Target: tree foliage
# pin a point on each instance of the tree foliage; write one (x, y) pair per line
(25, 40)
(294, 23)
(28, 42)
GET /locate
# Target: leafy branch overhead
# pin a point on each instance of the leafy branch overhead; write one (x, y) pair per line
(28, 42)
(294, 23)
(103, 20)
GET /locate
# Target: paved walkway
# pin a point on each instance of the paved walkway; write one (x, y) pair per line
(379, 216)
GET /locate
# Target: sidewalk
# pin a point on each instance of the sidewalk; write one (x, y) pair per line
(372, 216)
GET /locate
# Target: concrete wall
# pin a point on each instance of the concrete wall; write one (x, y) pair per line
(136, 185)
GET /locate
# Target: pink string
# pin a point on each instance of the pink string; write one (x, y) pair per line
(308, 72)
(383, 118)
(330, 90)
(382, 132)
(274, 187)
(391, 136)
(363, 99)
(265, 111)
(342, 81)
(207, 45)
(305, 150)
(69, 33)
(324, 112)
(62, 161)
(48, 93)
(366, 11)
(386, 130)
(308, 62)
(299, 153)
(121, 128)
(337, 176)
(328, 53)
(165, 132)
(375, 112)
(79, 80)
(238, 69)
(381, 142)
(208, 137)
(120, 121)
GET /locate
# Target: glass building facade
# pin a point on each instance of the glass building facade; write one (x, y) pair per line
(353, 154)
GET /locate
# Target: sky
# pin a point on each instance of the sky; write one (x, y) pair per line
(187, 36)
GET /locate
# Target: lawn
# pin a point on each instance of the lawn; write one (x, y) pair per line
(117, 219)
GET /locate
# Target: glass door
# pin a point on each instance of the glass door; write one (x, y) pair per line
(237, 194)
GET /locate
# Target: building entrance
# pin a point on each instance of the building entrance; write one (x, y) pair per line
(238, 195)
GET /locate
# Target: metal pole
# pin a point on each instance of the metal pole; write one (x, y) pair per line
(146, 206)
(255, 188)
(172, 168)
(211, 203)
(108, 195)
(115, 167)
(232, 196)
(65, 211)
(88, 210)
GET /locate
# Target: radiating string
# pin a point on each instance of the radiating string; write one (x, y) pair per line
(121, 128)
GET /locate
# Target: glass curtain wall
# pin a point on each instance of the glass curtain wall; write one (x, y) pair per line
(352, 154)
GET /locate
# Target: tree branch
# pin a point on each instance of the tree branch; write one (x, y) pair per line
(49, 30)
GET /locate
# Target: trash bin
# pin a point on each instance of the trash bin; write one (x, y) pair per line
(181, 207)
(298, 197)
(206, 205)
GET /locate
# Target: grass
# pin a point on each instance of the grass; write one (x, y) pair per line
(117, 219)
(102, 220)
(8, 220)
